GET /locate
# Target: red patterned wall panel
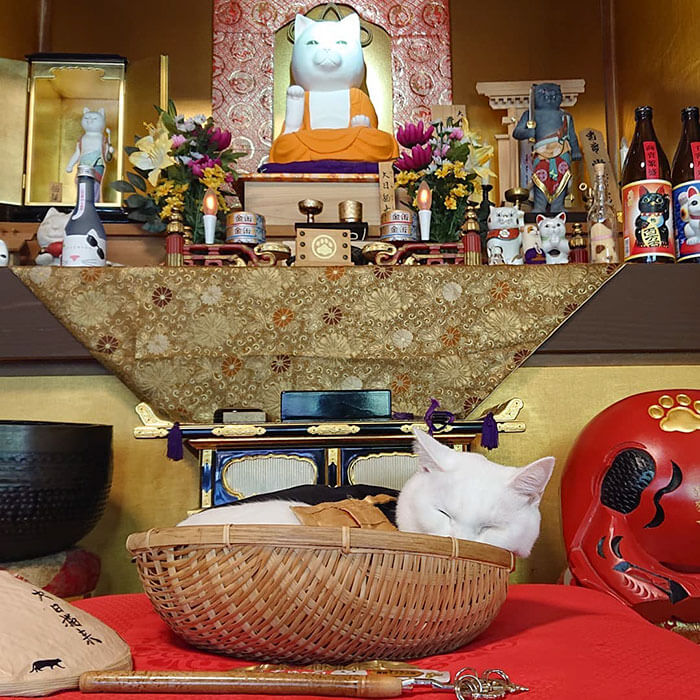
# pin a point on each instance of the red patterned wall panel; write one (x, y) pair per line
(243, 55)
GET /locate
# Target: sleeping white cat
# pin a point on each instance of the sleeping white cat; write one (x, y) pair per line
(455, 494)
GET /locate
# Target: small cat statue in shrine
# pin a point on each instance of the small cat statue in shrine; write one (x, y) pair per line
(553, 236)
(49, 236)
(4, 254)
(94, 148)
(328, 116)
(503, 240)
(454, 494)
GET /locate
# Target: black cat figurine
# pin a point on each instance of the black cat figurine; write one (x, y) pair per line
(650, 226)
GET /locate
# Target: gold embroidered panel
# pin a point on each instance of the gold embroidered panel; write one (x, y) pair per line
(190, 340)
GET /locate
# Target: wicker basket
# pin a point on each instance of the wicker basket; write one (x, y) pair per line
(294, 594)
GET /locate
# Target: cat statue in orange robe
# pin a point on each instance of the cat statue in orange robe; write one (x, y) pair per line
(328, 116)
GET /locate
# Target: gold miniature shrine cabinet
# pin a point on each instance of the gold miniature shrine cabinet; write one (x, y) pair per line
(240, 460)
(44, 99)
(514, 97)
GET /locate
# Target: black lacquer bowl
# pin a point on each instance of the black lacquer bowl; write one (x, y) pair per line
(54, 483)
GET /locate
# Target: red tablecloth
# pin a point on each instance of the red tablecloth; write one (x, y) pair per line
(564, 642)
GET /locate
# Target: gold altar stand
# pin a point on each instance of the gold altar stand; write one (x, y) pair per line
(191, 340)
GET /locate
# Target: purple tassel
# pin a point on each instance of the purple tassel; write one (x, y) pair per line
(489, 432)
(175, 443)
(433, 416)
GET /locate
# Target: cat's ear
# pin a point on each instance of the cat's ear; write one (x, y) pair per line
(101, 110)
(562, 216)
(643, 190)
(530, 481)
(301, 24)
(539, 218)
(432, 455)
(350, 26)
(86, 110)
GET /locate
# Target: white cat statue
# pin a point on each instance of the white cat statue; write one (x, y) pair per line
(553, 236)
(4, 254)
(328, 116)
(503, 240)
(49, 236)
(94, 147)
(454, 494)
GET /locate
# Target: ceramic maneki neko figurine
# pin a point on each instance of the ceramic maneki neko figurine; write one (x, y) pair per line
(329, 122)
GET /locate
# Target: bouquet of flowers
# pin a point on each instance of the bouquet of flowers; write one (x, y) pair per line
(452, 161)
(174, 165)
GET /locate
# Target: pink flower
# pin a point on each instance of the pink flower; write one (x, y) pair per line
(417, 159)
(220, 140)
(411, 135)
(457, 134)
(178, 140)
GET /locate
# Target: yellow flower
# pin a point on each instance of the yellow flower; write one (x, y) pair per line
(154, 152)
(444, 170)
(459, 191)
(406, 177)
(163, 189)
(450, 202)
(213, 177)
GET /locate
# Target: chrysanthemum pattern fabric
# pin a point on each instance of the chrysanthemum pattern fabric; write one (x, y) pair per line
(191, 340)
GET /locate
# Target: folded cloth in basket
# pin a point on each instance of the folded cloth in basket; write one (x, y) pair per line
(349, 512)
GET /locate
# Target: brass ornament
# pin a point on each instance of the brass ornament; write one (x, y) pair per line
(235, 430)
(333, 429)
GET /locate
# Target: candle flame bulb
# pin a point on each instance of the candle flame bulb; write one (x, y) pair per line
(424, 196)
(210, 204)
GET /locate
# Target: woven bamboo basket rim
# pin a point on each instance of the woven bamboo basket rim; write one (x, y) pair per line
(303, 537)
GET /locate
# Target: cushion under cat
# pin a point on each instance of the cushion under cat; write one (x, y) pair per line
(328, 117)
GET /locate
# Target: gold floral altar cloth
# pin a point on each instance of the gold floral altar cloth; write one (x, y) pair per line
(190, 340)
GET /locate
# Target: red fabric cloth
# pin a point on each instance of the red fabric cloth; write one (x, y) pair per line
(563, 642)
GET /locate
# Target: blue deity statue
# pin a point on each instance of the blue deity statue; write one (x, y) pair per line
(555, 146)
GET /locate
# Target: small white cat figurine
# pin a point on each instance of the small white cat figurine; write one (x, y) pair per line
(503, 241)
(4, 254)
(455, 494)
(553, 236)
(94, 148)
(49, 236)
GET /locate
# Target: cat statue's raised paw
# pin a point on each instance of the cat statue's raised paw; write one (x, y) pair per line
(454, 494)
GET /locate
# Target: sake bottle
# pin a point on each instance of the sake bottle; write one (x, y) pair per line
(601, 221)
(84, 239)
(646, 196)
(685, 177)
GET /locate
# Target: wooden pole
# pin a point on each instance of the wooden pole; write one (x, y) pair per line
(44, 29)
(612, 116)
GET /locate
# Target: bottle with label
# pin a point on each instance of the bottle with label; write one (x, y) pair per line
(685, 177)
(646, 197)
(602, 221)
(84, 240)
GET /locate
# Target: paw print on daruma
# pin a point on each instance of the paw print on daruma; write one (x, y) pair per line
(676, 414)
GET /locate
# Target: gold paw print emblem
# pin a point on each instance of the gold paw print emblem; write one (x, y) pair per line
(324, 247)
(679, 414)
